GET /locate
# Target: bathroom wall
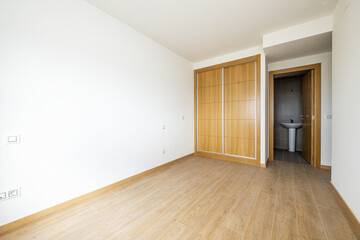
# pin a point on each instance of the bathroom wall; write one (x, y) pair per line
(287, 105)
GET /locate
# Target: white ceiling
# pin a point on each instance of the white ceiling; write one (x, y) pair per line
(202, 29)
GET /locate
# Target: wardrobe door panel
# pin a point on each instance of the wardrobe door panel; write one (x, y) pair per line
(240, 110)
(240, 147)
(240, 129)
(241, 73)
(210, 127)
(239, 91)
(210, 111)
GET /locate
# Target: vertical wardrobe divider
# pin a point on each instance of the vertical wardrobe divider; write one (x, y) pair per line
(223, 111)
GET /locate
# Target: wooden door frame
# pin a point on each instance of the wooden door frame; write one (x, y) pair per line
(256, 162)
(316, 109)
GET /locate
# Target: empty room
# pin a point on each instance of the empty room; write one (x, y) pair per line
(180, 120)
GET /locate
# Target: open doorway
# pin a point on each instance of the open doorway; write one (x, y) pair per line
(295, 114)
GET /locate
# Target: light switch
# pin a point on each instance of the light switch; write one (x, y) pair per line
(12, 139)
(328, 116)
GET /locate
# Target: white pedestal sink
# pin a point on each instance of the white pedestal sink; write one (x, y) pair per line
(292, 133)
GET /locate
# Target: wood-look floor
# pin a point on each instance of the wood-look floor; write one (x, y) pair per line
(203, 198)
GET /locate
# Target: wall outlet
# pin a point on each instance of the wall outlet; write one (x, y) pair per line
(13, 193)
(163, 151)
(163, 127)
(182, 117)
(2, 196)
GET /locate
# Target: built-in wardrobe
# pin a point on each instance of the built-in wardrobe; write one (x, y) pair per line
(227, 111)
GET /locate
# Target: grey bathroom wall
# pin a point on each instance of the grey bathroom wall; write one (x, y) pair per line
(287, 105)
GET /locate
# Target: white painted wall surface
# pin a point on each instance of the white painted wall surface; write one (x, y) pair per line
(239, 55)
(345, 173)
(266, 111)
(264, 153)
(304, 30)
(326, 102)
(89, 96)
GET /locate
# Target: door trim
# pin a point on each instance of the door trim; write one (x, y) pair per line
(227, 157)
(316, 109)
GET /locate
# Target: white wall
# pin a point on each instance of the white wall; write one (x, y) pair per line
(239, 55)
(88, 96)
(326, 86)
(265, 123)
(346, 84)
(304, 30)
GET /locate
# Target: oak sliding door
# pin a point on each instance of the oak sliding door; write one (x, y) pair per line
(227, 104)
(240, 109)
(210, 111)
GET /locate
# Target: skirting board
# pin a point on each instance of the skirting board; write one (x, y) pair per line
(346, 207)
(325, 167)
(17, 223)
(264, 165)
(227, 158)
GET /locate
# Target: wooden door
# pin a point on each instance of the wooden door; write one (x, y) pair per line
(209, 94)
(240, 110)
(307, 100)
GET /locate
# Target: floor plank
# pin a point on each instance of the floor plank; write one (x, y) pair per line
(335, 224)
(204, 198)
(284, 228)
